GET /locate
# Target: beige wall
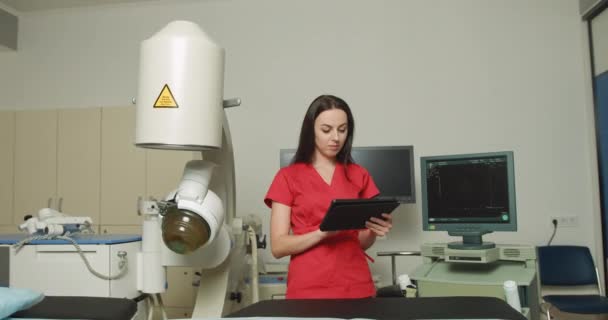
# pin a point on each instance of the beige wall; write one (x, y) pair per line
(445, 76)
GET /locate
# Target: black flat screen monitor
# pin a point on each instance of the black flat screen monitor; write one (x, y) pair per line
(391, 167)
(469, 195)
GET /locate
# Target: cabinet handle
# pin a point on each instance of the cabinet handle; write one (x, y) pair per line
(137, 205)
(60, 204)
(49, 203)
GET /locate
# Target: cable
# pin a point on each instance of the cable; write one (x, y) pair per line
(122, 264)
(161, 305)
(554, 221)
(141, 297)
(255, 291)
(151, 304)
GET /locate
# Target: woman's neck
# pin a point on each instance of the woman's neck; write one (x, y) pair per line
(319, 160)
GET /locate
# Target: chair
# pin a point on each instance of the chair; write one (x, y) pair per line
(570, 266)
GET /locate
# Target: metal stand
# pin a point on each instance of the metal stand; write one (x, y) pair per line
(393, 254)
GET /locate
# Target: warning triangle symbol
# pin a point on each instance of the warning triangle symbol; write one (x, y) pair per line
(165, 99)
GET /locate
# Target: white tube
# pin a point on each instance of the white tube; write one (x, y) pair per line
(255, 291)
(195, 180)
(512, 294)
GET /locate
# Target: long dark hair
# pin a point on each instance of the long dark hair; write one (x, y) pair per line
(306, 145)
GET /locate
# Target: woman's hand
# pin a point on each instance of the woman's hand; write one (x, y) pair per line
(327, 234)
(380, 227)
(282, 242)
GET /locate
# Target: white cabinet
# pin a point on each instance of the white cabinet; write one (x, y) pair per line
(7, 141)
(272, 286)
(57, 162)
(58, 269)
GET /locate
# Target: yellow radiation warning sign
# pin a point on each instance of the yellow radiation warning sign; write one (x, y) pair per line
(165, 99)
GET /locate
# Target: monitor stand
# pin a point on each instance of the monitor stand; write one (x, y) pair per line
(470, 241)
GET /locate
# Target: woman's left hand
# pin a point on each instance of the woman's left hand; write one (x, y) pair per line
(380, 227)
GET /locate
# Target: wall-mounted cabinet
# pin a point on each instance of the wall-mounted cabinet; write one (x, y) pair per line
(83, 162)
(35, 162)
(57, 162)
(79, 161)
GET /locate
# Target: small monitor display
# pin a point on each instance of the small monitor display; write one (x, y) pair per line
(391, 167)
(469, 194)
(468, 190)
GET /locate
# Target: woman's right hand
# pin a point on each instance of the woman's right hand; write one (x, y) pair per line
(282, 242)
(327, 234)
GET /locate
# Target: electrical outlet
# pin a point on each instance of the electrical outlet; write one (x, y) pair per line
(565, 221)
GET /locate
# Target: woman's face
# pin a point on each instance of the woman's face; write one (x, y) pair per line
(331, 130)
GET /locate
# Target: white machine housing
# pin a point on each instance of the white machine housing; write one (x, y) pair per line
(53, 222)
(180, 106)
(193, 195)
(187, 115)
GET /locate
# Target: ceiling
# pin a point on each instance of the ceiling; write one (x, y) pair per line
(42, 5)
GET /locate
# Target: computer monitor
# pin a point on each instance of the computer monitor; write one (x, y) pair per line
(469, 195)
(391, 167)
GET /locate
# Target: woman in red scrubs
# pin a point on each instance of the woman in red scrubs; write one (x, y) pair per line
(323, 264)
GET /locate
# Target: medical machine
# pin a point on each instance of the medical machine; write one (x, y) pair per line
(53, 222)
(471, 195)
(180, 107)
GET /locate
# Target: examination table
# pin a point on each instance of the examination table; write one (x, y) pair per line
(385, 308)
(90, 308)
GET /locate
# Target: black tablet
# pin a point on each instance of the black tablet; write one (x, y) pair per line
(348, 214)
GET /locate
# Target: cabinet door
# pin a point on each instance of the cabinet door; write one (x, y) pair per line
(58, 270)
(35, 161)
(9, 229)
(7, 141)
(164, 171)
(123, 171)
(79, 161)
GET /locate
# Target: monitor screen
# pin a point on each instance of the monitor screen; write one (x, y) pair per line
(391, 167)
(468, 194)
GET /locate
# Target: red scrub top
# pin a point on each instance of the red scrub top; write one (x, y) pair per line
(337, 266)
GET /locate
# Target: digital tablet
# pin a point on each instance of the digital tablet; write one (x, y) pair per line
(348, 214)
